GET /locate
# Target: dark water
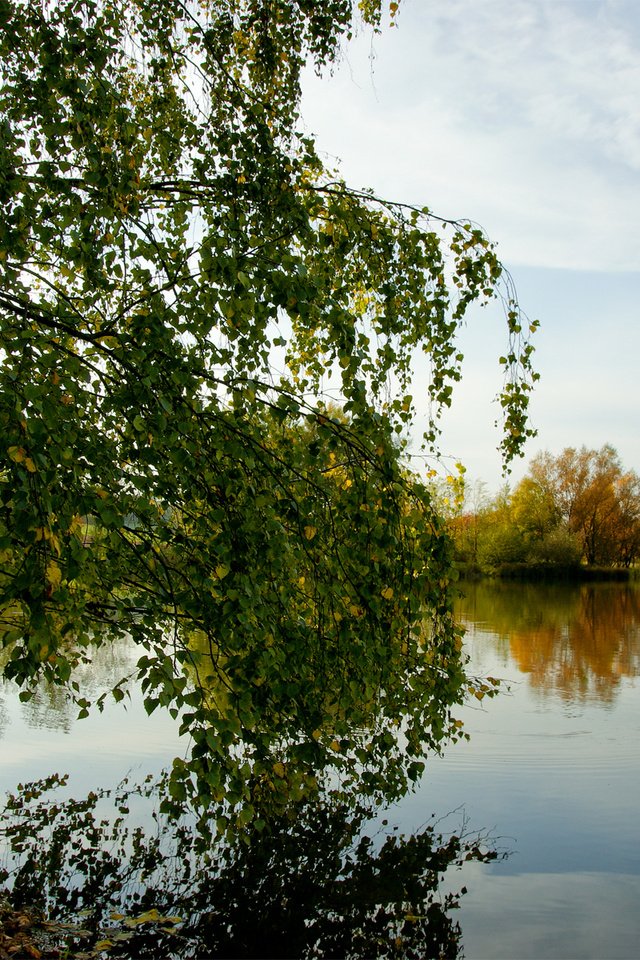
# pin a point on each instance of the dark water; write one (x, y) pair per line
(552, 769)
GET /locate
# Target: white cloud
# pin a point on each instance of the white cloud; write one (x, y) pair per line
(525, 117)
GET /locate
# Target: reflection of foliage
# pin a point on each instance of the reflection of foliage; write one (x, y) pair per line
(312, 884)
(580, 640)
(4, 716)
(53, 707)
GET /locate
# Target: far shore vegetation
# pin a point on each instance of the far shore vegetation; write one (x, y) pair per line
(575, 515)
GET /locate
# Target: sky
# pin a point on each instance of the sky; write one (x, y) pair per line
(524, 117)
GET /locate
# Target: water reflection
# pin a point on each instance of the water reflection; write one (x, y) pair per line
(52, 707)
(315, 883)
(563, 783)
(577, 642)
(4, 716)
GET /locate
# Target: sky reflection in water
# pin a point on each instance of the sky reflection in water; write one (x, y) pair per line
(552, 768)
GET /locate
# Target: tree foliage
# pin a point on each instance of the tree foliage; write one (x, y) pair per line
(183, 286)
(579, 505)
(592, 495)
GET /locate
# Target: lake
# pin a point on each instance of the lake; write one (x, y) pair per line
(551, 772)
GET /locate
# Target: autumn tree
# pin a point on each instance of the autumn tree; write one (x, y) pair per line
(182, 282)
(589, 494)
(627, 519)
(468, 523)
(533, 508)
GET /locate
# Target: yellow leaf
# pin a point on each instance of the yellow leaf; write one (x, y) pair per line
(221, 571)
(387, 593)
(335, 746)
(151, 916)
(278, 769)
(29, 464)
(76, 524)
(310, 532)
(54, 574)
(17, 454)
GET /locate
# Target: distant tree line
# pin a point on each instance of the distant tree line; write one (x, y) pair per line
(579, 507)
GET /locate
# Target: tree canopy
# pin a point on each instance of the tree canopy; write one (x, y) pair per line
(185, 286)
(591, 495)
(578, 505)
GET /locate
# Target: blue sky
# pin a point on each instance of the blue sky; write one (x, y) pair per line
(523, 116)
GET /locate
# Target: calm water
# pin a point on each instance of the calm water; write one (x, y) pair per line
(552, 770)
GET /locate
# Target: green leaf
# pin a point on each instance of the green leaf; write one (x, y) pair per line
(169, 477)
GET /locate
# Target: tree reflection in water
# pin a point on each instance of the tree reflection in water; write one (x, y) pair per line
(312, 882)
(578, 641)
